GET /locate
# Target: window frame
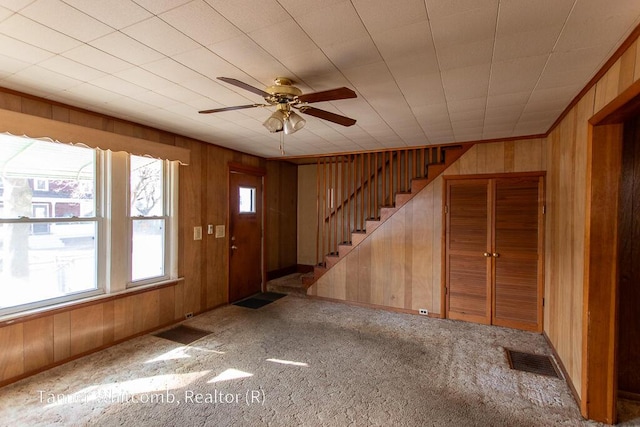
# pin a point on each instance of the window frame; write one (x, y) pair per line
(112, 235)
(252, 193)
(166, 209)
(98, 246)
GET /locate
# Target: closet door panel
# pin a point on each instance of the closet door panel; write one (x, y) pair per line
(516, 247)
(468, 268)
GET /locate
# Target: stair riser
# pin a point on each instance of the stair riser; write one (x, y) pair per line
(344, 250)
(331, 261)
(356, 238)
(385, 213)
(402, 199)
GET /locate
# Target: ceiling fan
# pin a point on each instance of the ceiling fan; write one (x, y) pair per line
(284, 96)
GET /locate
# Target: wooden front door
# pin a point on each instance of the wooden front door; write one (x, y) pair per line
(245, 235)
(494, 251)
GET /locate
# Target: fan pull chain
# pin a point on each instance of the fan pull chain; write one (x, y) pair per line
(282, 143)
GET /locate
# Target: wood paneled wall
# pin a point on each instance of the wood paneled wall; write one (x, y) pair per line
(565, 230)
(307, 214)
(567, 184)
(400, 265)
(30, 345)
(282, 216)
(35, 343)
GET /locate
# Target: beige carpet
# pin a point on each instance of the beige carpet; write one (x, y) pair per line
(301, 362)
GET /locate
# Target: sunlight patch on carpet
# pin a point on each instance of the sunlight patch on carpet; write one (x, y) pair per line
(287, 362)
(230, 374)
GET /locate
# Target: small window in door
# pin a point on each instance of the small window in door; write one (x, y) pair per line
(247, 200)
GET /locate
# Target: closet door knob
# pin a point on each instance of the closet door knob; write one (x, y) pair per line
(487, 254)
(496, 255)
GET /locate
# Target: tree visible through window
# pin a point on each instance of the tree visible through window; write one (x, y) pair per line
(45, 254)
(148, 220)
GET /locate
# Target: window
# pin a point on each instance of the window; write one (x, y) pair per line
(70, 241)
(247, 200)
(148, 218)
(43, 256)
(40, 184)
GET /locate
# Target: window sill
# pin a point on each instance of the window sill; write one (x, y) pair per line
(50, 310)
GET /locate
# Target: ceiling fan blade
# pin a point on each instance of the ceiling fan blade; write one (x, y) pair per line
(326, 115)
(237, 107)
(244, 86)
(328, 95)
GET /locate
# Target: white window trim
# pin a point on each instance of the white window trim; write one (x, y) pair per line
(111, 216)
(168, 208)
(45, 304)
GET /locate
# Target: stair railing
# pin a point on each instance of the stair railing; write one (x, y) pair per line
(351, 189)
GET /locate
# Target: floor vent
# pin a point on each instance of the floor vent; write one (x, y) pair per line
(183, 334)
(533, 363)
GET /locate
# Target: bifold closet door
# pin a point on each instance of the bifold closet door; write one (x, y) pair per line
(517, 245)
(468, 239)
(494, 251)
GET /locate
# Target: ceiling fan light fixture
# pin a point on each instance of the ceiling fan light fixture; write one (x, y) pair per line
(275, 122)
(293, 123)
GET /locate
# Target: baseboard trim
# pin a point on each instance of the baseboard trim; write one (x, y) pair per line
(375, 306)
(565, 373)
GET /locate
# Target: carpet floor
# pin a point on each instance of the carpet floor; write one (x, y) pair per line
(305, 362)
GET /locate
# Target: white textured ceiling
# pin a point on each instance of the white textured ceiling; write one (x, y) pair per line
(425, 71)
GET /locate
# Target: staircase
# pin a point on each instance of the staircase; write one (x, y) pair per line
(356, 193)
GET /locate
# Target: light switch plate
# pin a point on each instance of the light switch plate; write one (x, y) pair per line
(197, 233)
(209, 229)
(219, 231)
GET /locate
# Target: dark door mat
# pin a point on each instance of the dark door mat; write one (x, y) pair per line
(269, 296)
(182, 334)
(533, 363)
(259, 300)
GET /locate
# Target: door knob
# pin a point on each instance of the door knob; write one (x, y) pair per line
(487, 254)
(234, 247)
(496, 255)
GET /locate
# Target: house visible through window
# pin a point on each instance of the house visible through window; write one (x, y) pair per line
(63, 213)
(44, 255)
(40, 184)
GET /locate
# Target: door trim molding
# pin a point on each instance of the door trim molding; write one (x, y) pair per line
(246, 169)
(600, 285)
